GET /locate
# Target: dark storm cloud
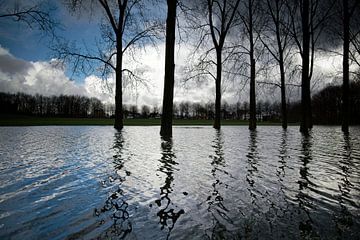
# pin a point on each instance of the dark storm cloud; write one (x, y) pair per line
(12, 65)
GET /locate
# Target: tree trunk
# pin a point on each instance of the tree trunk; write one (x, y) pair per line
(345, 87)
(119, 115)
(252, 122)
(119, 124)
(283, 95)
(282, 73)
(218, 89)
(167, 112)
(305, 81)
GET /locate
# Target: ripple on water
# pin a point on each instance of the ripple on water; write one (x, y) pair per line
(93, 182)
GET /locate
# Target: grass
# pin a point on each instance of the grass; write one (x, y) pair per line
(17, 120)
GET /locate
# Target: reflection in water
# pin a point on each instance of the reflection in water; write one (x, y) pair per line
(252, 159)
(305, 204)
(271, 184)
(344, 220)
(215, 200)
(283, 155)
(167, 214)
(280, 205)
(115, 203)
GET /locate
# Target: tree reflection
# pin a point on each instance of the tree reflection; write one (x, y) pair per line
(283, 155)
(215, 200)
(115, 204)
(252, 159)
(279, 203)
(167, 214)
(305, 224)
(345, 219)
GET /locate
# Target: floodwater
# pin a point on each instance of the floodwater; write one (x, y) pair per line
(86, 182)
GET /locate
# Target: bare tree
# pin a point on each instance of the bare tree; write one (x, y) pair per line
(348, 12)
(37, 15)
(167, 112)
(252, 21)
(126, 25)
(224, 13)
(345, 90)
(275, 38)
(354, 32)
(308, 19)
(220, 19)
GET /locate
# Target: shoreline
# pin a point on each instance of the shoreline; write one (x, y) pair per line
(63, 121)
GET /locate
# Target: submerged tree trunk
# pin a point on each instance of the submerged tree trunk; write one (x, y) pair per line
(345, 87)
(282, 75)
(252, 122)
(306, 122)
(218, 90)
(283, 97)
(119, 124)
(281, 34)
(119, 117)
(167, 112)
(225, 16)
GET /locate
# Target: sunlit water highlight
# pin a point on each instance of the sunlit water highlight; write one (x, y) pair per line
(93, 182)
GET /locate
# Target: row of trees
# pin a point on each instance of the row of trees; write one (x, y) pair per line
(61, 106)
(276, 27)
(81, 107)
(196, 110)
(327, 107)
(235, 39)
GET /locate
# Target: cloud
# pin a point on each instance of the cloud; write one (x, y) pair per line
(48, 78)
(17, 75)
(99, 88)
(10, 65)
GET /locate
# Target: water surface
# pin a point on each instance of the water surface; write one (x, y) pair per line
(93, 182)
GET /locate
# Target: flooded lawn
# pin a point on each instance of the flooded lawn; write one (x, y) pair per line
(93, 182)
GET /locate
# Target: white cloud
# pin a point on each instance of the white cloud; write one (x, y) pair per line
(17, 75)
(99, 88)
(48, 78)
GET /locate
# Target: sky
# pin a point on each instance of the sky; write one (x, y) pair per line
(28, 65)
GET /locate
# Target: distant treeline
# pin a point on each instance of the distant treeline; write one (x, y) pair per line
(59, 106)
(326, 107)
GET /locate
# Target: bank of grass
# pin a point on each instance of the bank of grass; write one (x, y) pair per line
(15, 120)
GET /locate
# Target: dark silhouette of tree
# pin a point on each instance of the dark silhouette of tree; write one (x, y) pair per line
(59, 106)
(345, 87)
(145, 111)
(277, 26)
(184, 109)
(36, 15)
(215, 26)
(348, 12)
(127, 25)
(167, 112)
(327, 105)
(308, 18)
(224, 13)
(251, 19)
(306, 121)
